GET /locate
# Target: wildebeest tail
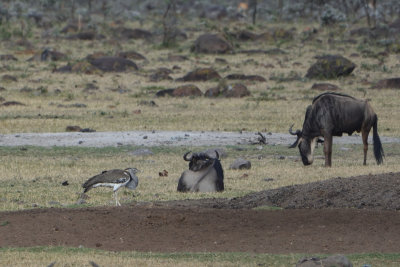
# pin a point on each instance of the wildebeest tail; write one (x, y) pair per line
(378, 149)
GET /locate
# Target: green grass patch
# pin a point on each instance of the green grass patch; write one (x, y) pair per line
(43, 256)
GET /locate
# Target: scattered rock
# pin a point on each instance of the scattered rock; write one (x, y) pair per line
(96, 55)
(330, 67)
(87, 130)
(245, 35)
(65, 183)
(211, 44)
(9, 78)
(86, 36)
(70, 28)
(236, 90)
(221, 60)
(63, 69)
(90, 87)
(133, 55)
(240, 164)
(141, 152)
(165, 92)
(393, 83)
(245, 77)
(127, 33)
(7, 58)
(161, 74)
(12, 103)
(272, 51)
(334, 260)
(73, 128)
(325, 87)
(83, 67)
(48, 55)
(75, 105)
(150, 103)
(163, 173)
(213, 92)
(187, 90)
(276, 35)
(177, 58)
(201, 74)
(113, 64)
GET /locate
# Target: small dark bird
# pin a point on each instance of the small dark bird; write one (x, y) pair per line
(115, 179)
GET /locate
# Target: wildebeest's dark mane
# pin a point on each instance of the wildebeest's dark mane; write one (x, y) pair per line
(332, 93)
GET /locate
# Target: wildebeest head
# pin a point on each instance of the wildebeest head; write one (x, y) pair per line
(306, 146)
(199, 161)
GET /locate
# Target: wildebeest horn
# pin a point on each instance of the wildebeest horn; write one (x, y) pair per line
(185, 156)
(217, 155)
(298, 133)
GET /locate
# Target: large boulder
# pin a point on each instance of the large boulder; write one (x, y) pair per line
(211, 44)
(187, 90)
(330, 67)
(184, 90)
(113, 64)
(131, 55)
(393, 83)
(237, 76)
(127, 33)
(236, 90)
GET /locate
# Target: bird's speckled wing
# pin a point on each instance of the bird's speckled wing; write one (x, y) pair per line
(111, 176)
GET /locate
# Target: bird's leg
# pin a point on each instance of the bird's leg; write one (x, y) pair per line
(116, 199)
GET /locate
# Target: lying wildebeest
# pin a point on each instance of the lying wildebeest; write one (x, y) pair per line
(205, 174)
(332, 114)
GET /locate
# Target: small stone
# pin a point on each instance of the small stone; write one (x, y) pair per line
(240, 164)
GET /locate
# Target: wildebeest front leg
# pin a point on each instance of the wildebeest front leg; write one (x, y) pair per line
(328, 150)
(364, 134)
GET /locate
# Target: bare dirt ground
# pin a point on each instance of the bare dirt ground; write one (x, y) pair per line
(340, 215)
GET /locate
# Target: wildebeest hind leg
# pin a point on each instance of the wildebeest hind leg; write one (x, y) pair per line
(364, 134)
(328, 150)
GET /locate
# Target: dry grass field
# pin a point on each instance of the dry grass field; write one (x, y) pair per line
(32, 177)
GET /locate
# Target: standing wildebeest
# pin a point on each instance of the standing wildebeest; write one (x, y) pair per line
(332, 114)
(205, 174)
